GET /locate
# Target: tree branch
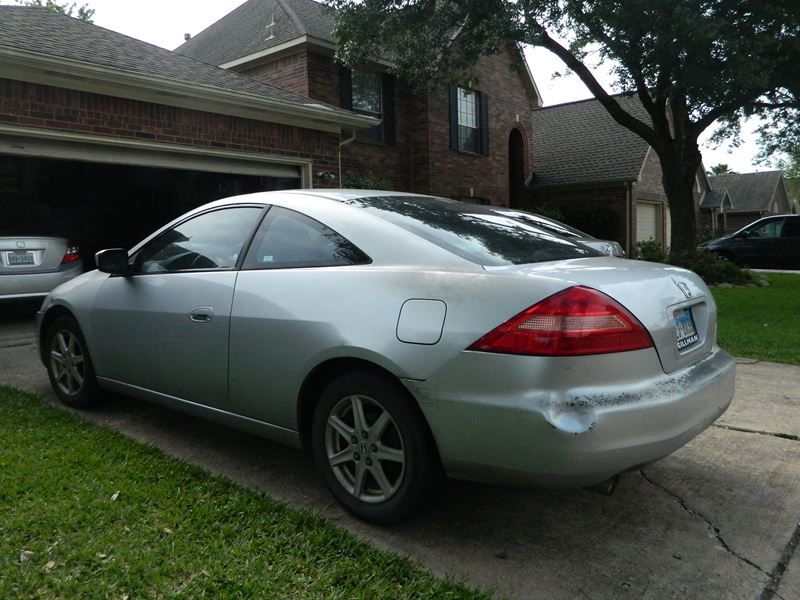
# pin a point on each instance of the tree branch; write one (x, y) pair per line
(611, 105)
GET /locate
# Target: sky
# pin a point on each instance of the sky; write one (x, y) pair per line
(164, 23)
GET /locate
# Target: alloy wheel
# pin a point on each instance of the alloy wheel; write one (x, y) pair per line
(365, 449)
(67, 362)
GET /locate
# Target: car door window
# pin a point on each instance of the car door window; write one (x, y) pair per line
(771, 229)
(791, 228)
(212, 240)
(288, 239)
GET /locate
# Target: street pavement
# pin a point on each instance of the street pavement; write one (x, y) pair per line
(718, 519)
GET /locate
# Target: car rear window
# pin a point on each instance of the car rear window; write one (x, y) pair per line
(473, 232)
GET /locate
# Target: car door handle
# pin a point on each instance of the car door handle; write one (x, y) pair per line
(202, 314)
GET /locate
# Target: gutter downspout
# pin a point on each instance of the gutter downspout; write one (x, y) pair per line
(628, 215)
(343, 143)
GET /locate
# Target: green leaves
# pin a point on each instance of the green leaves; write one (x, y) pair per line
(84, 13)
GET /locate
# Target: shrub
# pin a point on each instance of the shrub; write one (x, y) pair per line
(361, 182)
(713, 268)
(551, 212)
(651, 251)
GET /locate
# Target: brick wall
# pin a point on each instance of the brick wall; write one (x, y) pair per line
(421, 159)
(457, 174)
(367, 159)
(288, 73)
(598, 211)
(736, 221)
(81, 112)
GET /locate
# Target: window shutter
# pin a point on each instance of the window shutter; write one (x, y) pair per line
(484, 108)
(453, 118)
(387, 94)
(346, 88)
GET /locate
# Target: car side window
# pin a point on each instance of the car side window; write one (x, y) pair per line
(772, 229)
(212, 240)
(791, 228)
(287, 239)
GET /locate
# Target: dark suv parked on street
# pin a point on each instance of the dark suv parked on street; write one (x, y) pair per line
(769, 243)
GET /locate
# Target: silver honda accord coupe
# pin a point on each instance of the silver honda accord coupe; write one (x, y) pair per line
(398, 337)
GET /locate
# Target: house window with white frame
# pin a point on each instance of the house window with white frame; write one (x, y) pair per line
(468, 121)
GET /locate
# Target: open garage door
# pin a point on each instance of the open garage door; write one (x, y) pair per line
(112, 196)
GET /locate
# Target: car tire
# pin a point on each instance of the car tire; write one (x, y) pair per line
(373, 447)
(69, 365)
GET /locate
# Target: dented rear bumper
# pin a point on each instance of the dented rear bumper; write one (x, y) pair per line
(568, 422)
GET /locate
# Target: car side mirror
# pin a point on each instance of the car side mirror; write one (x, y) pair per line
(113, 261)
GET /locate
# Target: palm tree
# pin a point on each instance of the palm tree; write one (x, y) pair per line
(720, 169)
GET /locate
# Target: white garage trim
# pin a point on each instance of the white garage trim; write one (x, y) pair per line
(45, 143)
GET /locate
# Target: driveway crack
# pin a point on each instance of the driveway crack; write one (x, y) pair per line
(783, 436)
(771, 590)
(713, 528)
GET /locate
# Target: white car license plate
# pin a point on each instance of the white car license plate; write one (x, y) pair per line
(686, 330)
(19, 258)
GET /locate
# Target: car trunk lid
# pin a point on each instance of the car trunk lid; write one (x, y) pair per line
(672, 303)
(31, 254)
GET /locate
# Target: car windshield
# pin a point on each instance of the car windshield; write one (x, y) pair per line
(476, 233)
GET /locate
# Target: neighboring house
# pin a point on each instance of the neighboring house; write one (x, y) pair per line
(752, 196)
(602, 177)
(104, 137)
(471, 143)
(715, 205)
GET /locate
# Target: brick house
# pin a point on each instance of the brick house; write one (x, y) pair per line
(104, 137)
(747, 197)
(602, 177)
(470, 143)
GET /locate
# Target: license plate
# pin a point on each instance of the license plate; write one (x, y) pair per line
(684, 325)
(19, 258)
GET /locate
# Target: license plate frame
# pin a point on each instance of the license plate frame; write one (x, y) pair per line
(20, 258)
(685, 329)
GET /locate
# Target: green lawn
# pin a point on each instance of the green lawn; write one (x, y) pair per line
(762, 322)
(88, 513)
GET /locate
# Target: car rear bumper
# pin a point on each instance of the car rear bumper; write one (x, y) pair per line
(569, 436)
(36, 285)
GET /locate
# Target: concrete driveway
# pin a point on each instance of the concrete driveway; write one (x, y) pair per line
(717, 519)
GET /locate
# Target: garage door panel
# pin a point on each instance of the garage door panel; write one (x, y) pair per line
(646, 221)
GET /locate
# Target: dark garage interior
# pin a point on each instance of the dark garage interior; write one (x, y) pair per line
(97, 205)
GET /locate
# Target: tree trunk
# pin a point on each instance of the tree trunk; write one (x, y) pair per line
(679, 173)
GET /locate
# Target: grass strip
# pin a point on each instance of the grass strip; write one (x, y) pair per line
(89, 513)
(762, 322)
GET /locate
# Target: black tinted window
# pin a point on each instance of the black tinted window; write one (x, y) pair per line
(212, 240)
(289, 239)
(473, 232)
(791, 228)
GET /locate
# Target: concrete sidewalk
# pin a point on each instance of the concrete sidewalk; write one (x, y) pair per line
(717, 519)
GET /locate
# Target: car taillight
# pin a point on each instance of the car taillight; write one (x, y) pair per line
(573, 322)
(72, 254)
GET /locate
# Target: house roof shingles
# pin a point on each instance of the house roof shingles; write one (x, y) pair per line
(749, 192)
(713, 198)
(579, 143)
(249, 29)
(45, 32)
